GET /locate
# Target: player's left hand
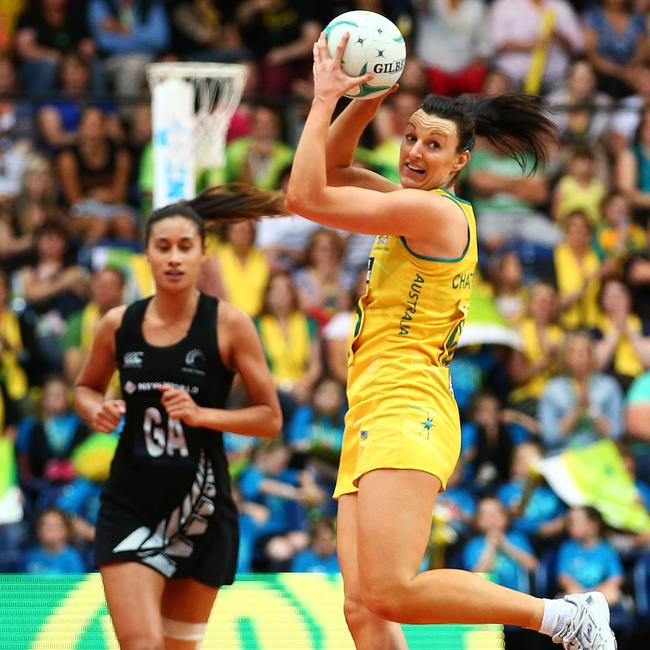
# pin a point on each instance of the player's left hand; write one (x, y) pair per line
(330, 82)
(179, 405)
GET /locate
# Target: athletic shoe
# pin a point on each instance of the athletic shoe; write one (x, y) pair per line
(589, 628)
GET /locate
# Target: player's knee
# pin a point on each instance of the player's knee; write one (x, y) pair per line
(355, 612)
(384, 599)
(142, 640)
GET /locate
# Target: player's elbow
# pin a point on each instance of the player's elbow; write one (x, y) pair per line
(272, 424)
(297, 201)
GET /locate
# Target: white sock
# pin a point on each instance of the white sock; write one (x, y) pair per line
(556, 613)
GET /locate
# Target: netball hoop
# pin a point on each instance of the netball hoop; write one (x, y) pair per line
(192, 105)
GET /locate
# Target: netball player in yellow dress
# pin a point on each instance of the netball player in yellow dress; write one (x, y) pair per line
(402, 433)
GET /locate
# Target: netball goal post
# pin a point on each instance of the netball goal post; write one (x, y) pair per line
(192, 105)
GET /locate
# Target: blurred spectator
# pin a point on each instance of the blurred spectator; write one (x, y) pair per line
(94, 177)
(637, 421)
(243, 269)
(320, 556)
(261, 158)
(632, 172)
(53, 553)
(623, 343)
(453, 43)
(530, 368)
(457, 504)
(284, 240)
(268, 481)
(317, 430)
(488, 442)
(580, 405)
(504, 553)
(129, 34)
(15, 115)
(337, 333)
(619, 237)
(585, 561)
(578, 272)
(496, 83)
(138, 141)
(47, 31)
(290, 342)
(637, 278)
(252, 520)
(510, 295)
(79, 500)
(206, 30)
(323, 284)
(281, 34)
(35, 203)
(506, 200)
(388, 127)
(106, 291)
(12, 375)
(45, 444)
(526, 33)
(534, 507)
(615, 44)
(579, 110)
(9, 14)
(53, 289)
(58, 120)
(625, 121)
(579, 189)
(16, 131)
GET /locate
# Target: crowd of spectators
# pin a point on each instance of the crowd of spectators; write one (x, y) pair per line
(564, 259)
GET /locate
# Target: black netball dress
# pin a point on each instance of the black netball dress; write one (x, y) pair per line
(167, 502)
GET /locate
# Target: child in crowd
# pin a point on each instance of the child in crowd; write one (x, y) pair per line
(287, 494)
(619, 236)
(509, 292)
(45, 444)
(505, 554)
(488, 442)
(499, 550)
(53, 553)
(586, 562)
(534, 507)
(579, 189)
(320, 556)
(317, 428)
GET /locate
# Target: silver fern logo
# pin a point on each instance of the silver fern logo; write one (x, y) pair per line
(171, 538)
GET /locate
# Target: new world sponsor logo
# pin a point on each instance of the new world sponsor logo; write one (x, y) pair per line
(148, 386)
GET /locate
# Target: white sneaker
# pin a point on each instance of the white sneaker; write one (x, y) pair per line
(589, 628)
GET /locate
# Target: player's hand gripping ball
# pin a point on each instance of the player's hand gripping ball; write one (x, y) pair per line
(375, 46)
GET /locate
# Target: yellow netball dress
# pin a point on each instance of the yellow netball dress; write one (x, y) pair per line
(402, 412)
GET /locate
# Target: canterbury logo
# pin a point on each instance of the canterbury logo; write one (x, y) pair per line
(133, 359)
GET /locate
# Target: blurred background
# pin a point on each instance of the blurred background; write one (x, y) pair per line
(552, 371)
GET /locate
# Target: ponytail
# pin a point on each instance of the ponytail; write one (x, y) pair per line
(222, 204)
(515, 124)
(237, 202)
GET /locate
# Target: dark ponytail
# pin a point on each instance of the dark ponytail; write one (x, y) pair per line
(222, 204)
(515, 124)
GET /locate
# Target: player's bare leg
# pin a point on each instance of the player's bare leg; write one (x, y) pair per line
(370, 632)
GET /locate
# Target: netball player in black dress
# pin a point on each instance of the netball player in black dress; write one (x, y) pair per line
(167, 532)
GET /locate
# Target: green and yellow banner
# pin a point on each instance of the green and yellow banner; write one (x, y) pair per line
(259, 612)
(596, 476)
